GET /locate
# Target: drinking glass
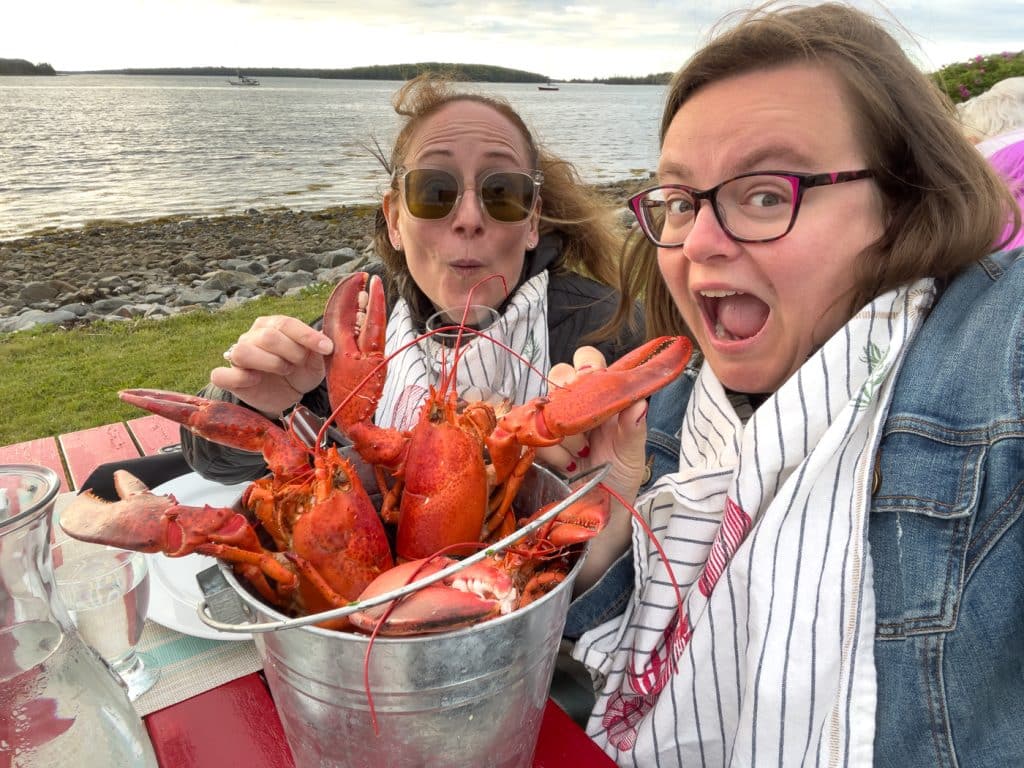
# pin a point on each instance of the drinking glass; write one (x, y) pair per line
(482, 368)
(106, 593)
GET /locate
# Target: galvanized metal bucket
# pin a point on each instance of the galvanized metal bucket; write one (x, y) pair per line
(471, 697)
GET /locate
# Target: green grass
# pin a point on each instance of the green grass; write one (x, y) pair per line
(58, 381)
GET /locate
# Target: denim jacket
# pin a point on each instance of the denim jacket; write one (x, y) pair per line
(946, 532)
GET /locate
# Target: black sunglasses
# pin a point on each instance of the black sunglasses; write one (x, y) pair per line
(433, 193)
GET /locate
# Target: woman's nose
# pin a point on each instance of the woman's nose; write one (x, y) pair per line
(707, 239)
(469, 214)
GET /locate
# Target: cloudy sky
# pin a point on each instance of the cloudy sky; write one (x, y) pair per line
(590, 38)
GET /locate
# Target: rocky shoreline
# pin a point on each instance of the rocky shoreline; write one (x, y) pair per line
(162, 267)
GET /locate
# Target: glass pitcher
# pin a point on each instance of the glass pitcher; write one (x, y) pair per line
(61, 704)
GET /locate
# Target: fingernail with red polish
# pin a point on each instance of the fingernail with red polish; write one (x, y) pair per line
(584, 452)
(585, 368)
(570, 467)
(642, 415)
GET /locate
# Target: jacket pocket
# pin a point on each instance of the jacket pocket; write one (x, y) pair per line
(922, 515)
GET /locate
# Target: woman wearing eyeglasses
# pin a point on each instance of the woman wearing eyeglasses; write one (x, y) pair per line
(475, 212)
(844, 582)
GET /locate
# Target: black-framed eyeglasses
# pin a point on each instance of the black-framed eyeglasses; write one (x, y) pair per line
(433, 193)
(755, 207)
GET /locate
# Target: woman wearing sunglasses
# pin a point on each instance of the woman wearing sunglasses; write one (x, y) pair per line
(475, 212)
(841, 573)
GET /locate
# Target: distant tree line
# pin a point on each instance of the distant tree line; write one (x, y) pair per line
(470, 72)
(661, 78)
(22, 67)
(478, 73)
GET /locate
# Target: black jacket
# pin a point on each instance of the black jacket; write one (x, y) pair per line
(577, 306)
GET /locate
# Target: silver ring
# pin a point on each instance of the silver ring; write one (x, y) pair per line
(228, 352)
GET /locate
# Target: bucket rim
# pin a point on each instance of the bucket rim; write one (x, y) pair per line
(260, 607)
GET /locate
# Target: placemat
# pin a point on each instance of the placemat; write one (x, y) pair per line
(190, 665)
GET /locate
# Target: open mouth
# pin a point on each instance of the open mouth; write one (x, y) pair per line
(733, 315)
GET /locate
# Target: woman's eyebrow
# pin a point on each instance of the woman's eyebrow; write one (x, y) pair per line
(775, 153)
(780, 156)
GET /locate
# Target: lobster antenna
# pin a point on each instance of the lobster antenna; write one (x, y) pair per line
(664, 559)
(448, 379)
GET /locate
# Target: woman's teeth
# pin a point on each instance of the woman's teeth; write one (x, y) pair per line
(717, 294)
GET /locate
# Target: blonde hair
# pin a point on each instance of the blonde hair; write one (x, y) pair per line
(998, 110)
(586, 222)
(945, 207)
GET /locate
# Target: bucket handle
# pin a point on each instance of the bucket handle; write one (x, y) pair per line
(598, 472)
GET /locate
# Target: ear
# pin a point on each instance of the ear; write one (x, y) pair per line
(533, 237)
(390, 207)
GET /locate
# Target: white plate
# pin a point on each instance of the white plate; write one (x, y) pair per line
(173, 591)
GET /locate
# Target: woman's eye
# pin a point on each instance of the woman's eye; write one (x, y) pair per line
(679, 205)
(765, 199)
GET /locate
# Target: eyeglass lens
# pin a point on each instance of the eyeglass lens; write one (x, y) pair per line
(749, 208)
(432, 193)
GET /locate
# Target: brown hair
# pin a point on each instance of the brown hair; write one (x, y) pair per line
(945, 206)
(591, 238)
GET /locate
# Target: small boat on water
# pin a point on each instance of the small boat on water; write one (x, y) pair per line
(243, 80)
(548, 87)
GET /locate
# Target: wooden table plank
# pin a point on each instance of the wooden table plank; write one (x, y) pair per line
(88, 448)
(233, 724)
(237, 724)
(42, 451)
(153, 433)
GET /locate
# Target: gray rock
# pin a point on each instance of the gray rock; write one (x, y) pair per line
(302, 264)
(44, 290)
(294, 280)
(336, 258)
(30, 318)
(197, 296)
(78, 309)
(230, 281)
(110, 281)
(108, 305)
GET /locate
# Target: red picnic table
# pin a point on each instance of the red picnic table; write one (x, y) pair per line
(235, 723)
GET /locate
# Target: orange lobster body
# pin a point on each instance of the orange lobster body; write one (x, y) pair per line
(308, 537)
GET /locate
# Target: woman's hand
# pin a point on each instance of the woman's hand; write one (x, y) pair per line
(620, 442)
(274, 363)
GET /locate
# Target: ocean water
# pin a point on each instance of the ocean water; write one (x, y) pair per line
(81, 148)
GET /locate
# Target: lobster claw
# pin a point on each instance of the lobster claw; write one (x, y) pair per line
(227, 424)
(588, 401)
(356, 323)
(478, 592)
(578, 523)
(145, 522)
